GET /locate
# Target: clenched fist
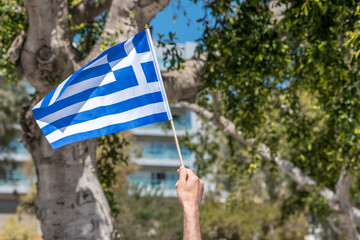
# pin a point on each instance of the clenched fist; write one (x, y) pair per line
(189, 189)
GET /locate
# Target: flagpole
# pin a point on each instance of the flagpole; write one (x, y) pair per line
(173, 128)
(177, 142)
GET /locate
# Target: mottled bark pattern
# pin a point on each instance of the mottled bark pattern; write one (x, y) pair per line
(71, 203)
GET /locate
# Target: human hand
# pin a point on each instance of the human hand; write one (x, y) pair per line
(189, 189)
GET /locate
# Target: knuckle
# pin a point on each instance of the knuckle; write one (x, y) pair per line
(194, 179)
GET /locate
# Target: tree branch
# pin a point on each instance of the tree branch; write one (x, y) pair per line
(15, 49)
(292, 171)
(343, 184)
(47, 52)
(349, 62)
(148, 9)
(347, 222)
(183, 84)
(333, 226)
(88, 10)
(125, 19)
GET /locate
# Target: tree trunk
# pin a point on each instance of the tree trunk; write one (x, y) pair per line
(70, 201)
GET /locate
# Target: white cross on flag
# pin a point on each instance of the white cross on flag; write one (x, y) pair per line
(120, 89)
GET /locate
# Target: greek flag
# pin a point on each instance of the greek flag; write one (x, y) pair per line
(120, 89)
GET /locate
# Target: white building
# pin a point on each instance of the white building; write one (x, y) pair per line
(155, 150)
(156, 153)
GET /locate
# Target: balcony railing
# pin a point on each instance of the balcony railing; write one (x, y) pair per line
(158, 150)
(168, 184)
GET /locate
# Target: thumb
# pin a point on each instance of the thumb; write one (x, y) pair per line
(182, 174)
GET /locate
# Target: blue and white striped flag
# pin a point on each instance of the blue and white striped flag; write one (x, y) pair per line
(120, 89)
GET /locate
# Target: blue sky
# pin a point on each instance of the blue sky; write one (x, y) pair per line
(163, 22)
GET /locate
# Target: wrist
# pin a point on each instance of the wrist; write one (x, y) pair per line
(190, 209)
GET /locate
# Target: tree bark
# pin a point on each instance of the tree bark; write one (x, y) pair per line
(183, 84)
(70, 201)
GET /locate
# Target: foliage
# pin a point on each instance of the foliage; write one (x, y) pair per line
(248, 181)
(87, 34)
(12, 96)
(12, 22)
(353, 36)
(113, 150)
(144, 213)
(206, 147)
(172, 54)
(287, 77)
(148, 215)
(14, 230)
(28, 201)
(248, 221)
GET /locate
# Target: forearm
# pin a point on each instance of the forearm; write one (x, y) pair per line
(192, 224)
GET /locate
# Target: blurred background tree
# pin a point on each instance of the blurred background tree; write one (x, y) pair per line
(285, 85)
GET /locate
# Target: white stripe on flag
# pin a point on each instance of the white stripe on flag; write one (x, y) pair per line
(38, 105)
(95, 102)
(81, 86)
(98, 62)
(96, 81)
(129, 46)
(106, 121)
(57, 91)
(158, 73)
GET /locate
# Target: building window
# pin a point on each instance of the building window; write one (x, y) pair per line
(157, 178)
(154, 180)
(160, 150)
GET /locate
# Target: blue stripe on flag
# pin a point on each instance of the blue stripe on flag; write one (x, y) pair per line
(140, 42)
(149, 71)
(118, 53)
(103, 111)
(125, 75)
(91, 73)
(159, 117)
(47, 98)
(72, 77)
(84, 96)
